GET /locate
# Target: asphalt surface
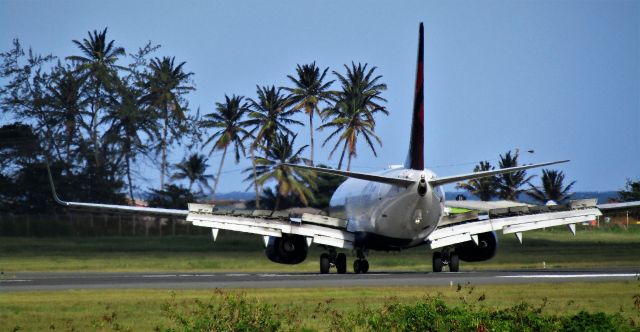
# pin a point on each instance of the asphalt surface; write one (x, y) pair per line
(67, 281)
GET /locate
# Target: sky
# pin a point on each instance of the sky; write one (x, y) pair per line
(561, 78)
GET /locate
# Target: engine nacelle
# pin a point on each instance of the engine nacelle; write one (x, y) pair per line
(288, 249)
(484, 250)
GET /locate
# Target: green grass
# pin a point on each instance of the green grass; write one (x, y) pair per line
(141, 310)
(558, 248)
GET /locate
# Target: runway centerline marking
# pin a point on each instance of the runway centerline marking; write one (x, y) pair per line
(602, 275)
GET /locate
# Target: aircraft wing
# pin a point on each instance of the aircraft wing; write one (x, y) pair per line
(317, 229)
(514, 220)
(619, 207)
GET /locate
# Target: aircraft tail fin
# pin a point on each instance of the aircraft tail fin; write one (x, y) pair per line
(415, 157)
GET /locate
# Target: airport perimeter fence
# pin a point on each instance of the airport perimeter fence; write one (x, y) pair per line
(94, 224)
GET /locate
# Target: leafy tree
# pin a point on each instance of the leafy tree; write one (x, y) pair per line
(230, 125)
(308, 91)
(24, 97)
(352, 114)
(483, 188)
(193, 169)
(171, 197)
(269, 115)
(289, 180)
(631, 191)
(510, 184)
(323, 187)
(553, 188)
(97, 63)
(166, 84)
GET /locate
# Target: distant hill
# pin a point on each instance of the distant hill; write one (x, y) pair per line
(602, 196)
(237, 195)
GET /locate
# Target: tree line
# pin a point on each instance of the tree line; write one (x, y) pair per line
(96, 114)
(511, 186)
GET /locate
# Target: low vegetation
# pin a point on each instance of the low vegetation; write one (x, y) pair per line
(603, 306)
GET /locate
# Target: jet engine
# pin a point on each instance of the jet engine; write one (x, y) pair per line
(484, 250)
(288, 249)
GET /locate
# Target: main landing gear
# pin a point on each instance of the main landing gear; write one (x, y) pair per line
(339, 261)
(360, 265)
(445, 258)
(327, 260)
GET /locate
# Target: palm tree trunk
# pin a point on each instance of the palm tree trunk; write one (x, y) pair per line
(255, 178)
(349, 162)
(311, 133)
(277, 205)
(129, 179)
(215, 183)
(163, 145)
(342, 155)
(94, 125)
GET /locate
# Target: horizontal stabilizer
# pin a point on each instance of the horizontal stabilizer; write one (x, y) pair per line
(361, 176)
(478, 175)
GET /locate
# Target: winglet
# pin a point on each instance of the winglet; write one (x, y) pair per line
(53, 187)
(415, 157)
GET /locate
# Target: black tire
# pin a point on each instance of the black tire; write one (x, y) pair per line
(324, 264)
(356, 266)
(341, 263)
(364, 266)
(454, 263)
(437, 262)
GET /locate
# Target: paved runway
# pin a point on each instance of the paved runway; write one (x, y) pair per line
(65, 281)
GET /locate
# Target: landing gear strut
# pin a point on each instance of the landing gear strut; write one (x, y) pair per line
(360, 265)
(339, 260)
(445, 258)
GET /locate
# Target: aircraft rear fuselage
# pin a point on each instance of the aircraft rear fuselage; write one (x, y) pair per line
(385, 216)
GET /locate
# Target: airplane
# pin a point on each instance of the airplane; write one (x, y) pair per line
(394, 209)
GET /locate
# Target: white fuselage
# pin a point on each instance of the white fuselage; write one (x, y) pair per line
(388, 211)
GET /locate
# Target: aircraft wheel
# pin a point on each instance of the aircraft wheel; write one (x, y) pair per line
(454, 263)
(364, 266)
(356, 267)
(341, 263)
(324, 264)
(437, 262)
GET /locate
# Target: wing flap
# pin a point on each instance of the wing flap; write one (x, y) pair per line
(334, 237)
(458, 233)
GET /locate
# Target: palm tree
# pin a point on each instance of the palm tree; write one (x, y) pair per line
(483, 188)
(631, 191)
(553, 188)
(127, 119)
(165, 85)
(308, 91)
(354, 110)
(509, 184)
(269, 115)
(97, 63)
(66, 98)
(193, 169)
(228, 119)
(289, 180)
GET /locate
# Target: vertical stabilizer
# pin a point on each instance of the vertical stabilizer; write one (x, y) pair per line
(415, 158)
